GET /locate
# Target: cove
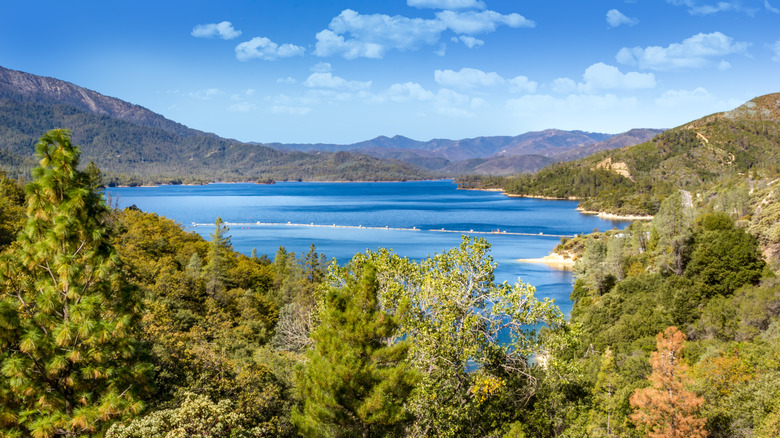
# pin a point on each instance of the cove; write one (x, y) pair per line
(342, 219)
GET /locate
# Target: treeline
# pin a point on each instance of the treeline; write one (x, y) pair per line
(121, 324)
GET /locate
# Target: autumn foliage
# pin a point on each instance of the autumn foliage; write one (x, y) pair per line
(666, 409)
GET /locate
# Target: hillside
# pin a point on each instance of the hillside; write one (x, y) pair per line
(499, 166)
(628, 138)
(715, 151)
(133, 145)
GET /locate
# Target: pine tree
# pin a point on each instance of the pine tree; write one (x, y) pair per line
(215, 271)
(667, 409)
(355, 380)
(68, 355)
(603, 419)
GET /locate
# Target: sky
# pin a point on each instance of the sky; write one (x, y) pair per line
(343, 71)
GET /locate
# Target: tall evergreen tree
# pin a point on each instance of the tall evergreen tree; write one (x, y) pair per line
(356, 380)
(68, 355)
(215, 271)
(667, 409)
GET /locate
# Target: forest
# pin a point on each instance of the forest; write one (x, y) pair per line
(119, 323)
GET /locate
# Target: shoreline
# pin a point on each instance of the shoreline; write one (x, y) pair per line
(553, 260)
(613, 216)
(601, 214)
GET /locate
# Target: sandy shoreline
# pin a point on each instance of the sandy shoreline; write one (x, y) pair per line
(620, 217)
(601, 214)
(553, 260)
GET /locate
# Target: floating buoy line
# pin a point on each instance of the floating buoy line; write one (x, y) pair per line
(361, 227)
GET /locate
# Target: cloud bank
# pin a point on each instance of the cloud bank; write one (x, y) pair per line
(693, 52)
(353, 35)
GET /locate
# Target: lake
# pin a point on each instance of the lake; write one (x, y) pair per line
(298, 214)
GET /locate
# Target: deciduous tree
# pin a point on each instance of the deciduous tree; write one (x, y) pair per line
(471, 338)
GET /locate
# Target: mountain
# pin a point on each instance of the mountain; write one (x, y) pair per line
(131, 144)
(498, 166)
(485, 155)
(737, 150)
(628, 138)
(548, 143)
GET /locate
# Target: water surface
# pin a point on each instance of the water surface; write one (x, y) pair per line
(424, 206)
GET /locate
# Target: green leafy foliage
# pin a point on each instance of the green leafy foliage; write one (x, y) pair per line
(454, 315)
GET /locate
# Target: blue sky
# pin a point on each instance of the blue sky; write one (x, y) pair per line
(345, 71)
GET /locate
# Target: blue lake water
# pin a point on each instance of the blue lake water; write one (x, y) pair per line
(424, 206)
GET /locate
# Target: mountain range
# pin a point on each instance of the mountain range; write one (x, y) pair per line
(133, 145)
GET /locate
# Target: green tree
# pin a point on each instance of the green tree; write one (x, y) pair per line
(68, 351)
(605, 401)
(356, 380)
(471, 339)
(215, 271)
(672, 227)
(724, 257)
(11, 210)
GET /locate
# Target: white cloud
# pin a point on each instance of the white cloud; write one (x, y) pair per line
(469, 41)
(321, 67)
(222, 30)
(354, 35)
(521, 84)
(616, 18)
(467, 78)
(446, 4)
(265, 49)
(470, 78)
(408, 91)
(564, 85)
(372, 34)
(471, 22)
(241, 107)
(329, 43)
(286, 81)
(724, 65)
(206, 94)
(693, 52)
(775, 48)
(698, 8)
(328, 81)
(601, 76)
(292, 110)
(678, 98)
(771, 8)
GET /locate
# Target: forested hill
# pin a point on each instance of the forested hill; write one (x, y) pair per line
(730, 149)
(133, 145)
